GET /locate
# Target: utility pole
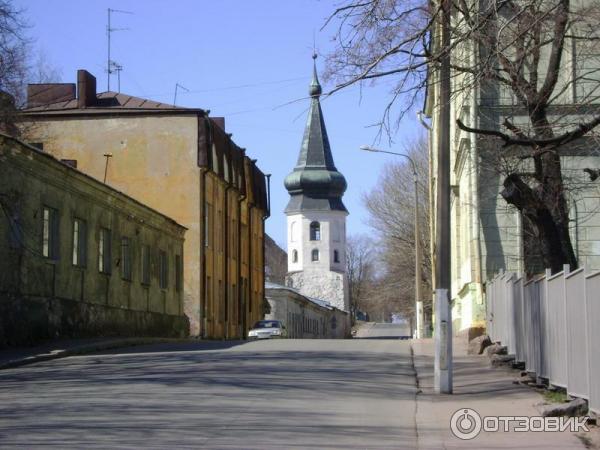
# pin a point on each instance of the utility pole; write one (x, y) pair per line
(418, 319)
(443, 319)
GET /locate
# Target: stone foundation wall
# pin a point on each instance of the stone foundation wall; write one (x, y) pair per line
(30, 320)
(324, 285)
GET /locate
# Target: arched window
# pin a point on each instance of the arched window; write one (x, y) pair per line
(335, 231)
(295, 256)
(293, 232)
(336, 256)
(315, 231)
(315, 255)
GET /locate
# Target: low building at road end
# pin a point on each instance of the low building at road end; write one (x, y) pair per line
(79, 258)
(305, 317)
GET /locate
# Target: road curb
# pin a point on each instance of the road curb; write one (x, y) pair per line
(85, 349)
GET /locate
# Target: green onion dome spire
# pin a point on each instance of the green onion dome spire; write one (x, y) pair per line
(315, 183)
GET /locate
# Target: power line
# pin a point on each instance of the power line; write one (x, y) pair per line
(228, 88)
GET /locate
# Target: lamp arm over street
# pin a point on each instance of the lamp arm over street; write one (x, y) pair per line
(376, 150)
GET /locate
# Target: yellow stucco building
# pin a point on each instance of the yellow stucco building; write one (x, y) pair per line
(181, 163)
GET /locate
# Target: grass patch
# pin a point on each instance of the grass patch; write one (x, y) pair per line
(555, 396)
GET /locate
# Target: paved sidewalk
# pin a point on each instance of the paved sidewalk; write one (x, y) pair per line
(488, 391)
(21, 356)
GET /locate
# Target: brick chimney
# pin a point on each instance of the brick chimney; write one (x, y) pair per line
(219, 121)
(86, 89)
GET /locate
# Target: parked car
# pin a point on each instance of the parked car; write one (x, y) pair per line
(267, 329)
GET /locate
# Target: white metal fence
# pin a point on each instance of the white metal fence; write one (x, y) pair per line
(552, 324)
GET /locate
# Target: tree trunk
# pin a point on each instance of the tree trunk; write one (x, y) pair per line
(545, 208)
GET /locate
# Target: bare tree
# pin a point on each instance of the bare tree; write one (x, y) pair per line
(391, 210)
(537, 58)
(360, 268)
(19, 65)
(13, 63)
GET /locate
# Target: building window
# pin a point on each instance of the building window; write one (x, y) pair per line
(104, 251)
(126, 258)
(79, 243)
(315, 255)
(178, 273)
(163, 270)
(315, 231)
(250, 297)
(207, 295)
(336, 256)
(207, 227)
(295, 256)
(335, 231)
(222, 302)
(293, 231)
(50, 233)
(145, 264)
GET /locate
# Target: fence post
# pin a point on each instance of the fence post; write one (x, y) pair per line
(588, 356)
(544, 329)
(565, 362)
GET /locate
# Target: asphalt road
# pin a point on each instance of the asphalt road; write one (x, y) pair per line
(384, 331)
(350, 394)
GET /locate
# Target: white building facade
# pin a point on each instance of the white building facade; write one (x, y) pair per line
(488, 234)
(316, 215)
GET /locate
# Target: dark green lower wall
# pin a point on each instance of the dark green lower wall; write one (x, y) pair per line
(29, 320)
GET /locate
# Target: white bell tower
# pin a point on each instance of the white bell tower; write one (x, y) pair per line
(316, 215)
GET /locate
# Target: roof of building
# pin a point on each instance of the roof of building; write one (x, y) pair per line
(110, 102)
(315, 183)
(317, 301)
(81, 99)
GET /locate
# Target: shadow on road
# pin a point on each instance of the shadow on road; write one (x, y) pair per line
(196, 395)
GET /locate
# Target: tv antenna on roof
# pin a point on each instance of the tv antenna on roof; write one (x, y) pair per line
(177, 85)
(112, 66)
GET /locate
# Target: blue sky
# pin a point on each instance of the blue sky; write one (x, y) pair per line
(244, 60)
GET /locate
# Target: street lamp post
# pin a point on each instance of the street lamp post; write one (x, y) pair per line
(418, 258)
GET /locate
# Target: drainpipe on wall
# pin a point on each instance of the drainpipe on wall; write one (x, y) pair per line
(250, 266)
(204, 170)
(241, 292)
(479, 277)
(202, 312)
(264, 241)
(268, 212)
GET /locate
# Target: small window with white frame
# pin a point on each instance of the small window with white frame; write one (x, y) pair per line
(315, 231)
(163, 270)
(126, 258)
(50, 233)
(315, 255)
(79, 243)
(104, 250)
